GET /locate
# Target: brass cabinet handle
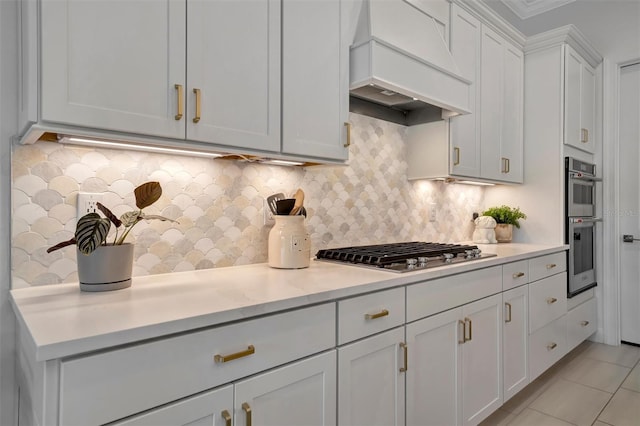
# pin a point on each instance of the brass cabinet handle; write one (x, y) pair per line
(348, 126)
(227, 417)
(464, 330)
(584, 323)
(551, 265)
(508, 305)
(226, 358)
(551, 346)
(518, 275)
(247, 410)
(456, 152)
(405, 351)
(470, 330)
(180, 102)
(382, 313)
(505, 165)
(551, 300)
(584, 135)
(198, 106)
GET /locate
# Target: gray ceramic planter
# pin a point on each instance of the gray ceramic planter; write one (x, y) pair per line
(107, 268)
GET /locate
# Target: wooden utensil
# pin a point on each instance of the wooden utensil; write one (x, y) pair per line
(299, 197)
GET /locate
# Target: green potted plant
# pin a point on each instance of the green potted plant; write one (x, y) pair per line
(102, 265)
(506, 218)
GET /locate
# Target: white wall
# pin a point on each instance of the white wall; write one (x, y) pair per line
(8, 123)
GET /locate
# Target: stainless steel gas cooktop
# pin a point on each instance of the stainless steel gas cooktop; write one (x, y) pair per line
(403, 257)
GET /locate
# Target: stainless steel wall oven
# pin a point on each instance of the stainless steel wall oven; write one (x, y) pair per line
(581, 220)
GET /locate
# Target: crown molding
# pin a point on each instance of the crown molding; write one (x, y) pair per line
(568, 34)
(527, 8)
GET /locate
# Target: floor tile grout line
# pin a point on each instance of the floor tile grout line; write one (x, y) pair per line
(547, 414)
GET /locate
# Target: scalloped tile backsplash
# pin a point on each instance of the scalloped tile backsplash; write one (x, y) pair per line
(218, 204)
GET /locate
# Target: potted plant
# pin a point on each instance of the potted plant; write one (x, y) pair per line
(108, 266)
(506, 218)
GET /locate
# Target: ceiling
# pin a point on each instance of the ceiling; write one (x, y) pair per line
(527, 8)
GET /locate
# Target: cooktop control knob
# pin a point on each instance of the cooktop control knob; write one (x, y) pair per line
(448, 257)
(477, 252)
(469, 254)
(411, 262)
(422, 260)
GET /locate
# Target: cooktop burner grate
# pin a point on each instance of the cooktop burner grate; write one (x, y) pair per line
(402, 257)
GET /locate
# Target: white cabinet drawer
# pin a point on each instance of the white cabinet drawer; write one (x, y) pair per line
(372, 313)
(515, 274)
(547, 346)
(581, 323)
(430, 297)
(547, 301)
(545, 266)
(110, 385)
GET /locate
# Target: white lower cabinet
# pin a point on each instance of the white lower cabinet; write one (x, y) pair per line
(455, 365)
(209, 408)
(581, 323)
(371, 380)
(515, 336)
(302, 393)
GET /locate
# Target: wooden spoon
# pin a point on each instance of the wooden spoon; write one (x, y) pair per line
(299, 197)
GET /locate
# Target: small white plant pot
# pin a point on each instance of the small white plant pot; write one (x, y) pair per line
(106, 268)
(504, 232)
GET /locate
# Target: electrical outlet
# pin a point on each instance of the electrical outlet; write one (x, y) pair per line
(88, 202)
(433, 207)
(267, 214)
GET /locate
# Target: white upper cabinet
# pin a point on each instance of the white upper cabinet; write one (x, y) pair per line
(113, 65)
(464, 129)
(315, 67)
(579, 104)
(501, 109)
(233, 73)
(261, 77)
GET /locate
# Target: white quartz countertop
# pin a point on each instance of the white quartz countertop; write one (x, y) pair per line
(63, 321)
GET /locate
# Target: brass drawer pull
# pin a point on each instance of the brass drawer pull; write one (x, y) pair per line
(227, 417)
(505, 165)
(508, 305)
(405, 351)
(456, 151)
(348, 126)
(247, 410)
(551, 346)
(584, 135)
(464, 329)
(382, 313)
(178, 116)
(518, 275)
(198, 106)
(584, 323)
(551, 300)
(226, 358)
(551, 265)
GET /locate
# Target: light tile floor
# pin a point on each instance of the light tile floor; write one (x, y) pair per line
(594, 384)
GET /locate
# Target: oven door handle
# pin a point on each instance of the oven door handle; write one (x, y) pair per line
(585, 219)
(575, 176)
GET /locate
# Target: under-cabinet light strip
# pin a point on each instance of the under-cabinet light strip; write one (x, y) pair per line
(124, 145)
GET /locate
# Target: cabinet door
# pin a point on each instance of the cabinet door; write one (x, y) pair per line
(515, 332)
(210, 408)
(501, 112)
(435, 370)
(370, 383)
(482, 359)
(113, 65)
(302, 393)
(464, 129)
(491, 104)
(579, 102)
(233, 60)
(315, 79)
(511, 146)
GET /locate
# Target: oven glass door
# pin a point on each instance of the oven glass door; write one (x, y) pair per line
(581, 257)
(581, 198)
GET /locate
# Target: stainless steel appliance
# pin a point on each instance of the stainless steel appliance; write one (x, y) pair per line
(580, 208)
(403, 257)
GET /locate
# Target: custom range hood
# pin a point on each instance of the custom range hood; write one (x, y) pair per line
(401, 69)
